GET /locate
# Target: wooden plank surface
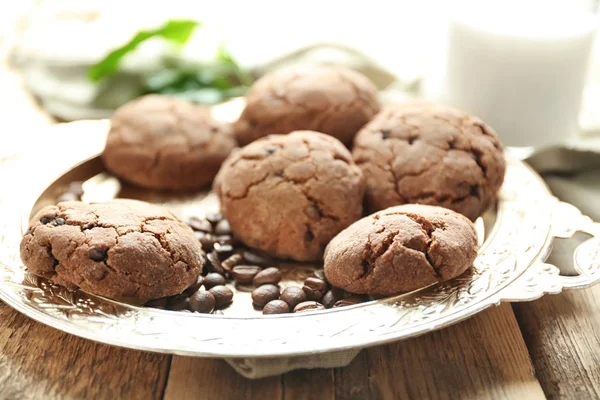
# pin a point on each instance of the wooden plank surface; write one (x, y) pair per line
(314, 384)
(481, 358)
(205, 378)
(562, 333)
(38, 362)
(484, 357)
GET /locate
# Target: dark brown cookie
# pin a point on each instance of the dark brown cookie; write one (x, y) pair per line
(401, 249)
(160, 142)
(288, 195)
(333, 100)
(430, 155)
(123, 249)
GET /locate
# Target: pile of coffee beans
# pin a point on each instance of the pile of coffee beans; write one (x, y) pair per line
(315, 294)
(229, 261)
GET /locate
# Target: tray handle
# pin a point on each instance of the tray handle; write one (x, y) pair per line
(543, 278)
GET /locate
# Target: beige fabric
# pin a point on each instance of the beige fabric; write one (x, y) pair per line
(255, 368)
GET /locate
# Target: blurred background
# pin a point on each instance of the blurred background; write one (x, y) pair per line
(523, 66)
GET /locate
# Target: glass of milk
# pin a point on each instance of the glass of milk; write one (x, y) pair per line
(520, 66)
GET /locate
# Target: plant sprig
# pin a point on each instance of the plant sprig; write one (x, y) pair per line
(177, 31)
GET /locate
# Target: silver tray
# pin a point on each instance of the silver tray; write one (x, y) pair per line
(517, 238)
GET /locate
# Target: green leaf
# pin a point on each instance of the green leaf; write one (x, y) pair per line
(178, 31)
(225, 57)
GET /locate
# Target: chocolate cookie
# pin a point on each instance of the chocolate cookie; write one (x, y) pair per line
(401, 249)
(333, 100)
(430, 155)
(288, 195)
(123, 249)
(159, 142)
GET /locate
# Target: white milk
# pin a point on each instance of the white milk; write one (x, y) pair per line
(521, 70)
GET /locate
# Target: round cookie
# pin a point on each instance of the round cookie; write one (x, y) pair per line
(430, 155)
(400, 249)
(288, 195)
(122, 249)
(159, 142)
(333, 100)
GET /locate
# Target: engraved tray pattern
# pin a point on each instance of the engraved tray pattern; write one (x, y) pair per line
(509, 267)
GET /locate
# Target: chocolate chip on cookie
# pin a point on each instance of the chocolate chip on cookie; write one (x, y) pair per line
(288, 195)
(122, 249)
(400, 249)
(159, 142)
(430, 155)
(333, 100)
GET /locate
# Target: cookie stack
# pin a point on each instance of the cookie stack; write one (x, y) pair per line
(318, 154)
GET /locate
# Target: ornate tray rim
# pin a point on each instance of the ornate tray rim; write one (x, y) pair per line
(510, 267)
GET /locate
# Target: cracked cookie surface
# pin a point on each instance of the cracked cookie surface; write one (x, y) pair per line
(159, 142)
(333, 100)
(288, 195)
(430, 155)
(400, 249)
(123, 249)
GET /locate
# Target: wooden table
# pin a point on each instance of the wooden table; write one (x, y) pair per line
(546, 348)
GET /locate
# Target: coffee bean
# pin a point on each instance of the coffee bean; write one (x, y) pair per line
(308, 306)
(207, 240)
(267, 275)
(223, 228)
(349, 301)
(76, 188)
(213, 279)
(59, 221)
(194, 287)
(329, 299)
(158, 303)
(67, 197)
(214, 218)
(319, 273)
(96, 254)
(340, 293)
(222, 294)
(244, 273)
(314, 288)
(199, 235)
(264, 294)
(179, 303)
(205, 264)
(226, 240)
(45, 220)
(231, 261)
(276, 307)
(223, 250)
(215, 263)
(293, 295)
(200, 225)
(256, 259)
(202, 302)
